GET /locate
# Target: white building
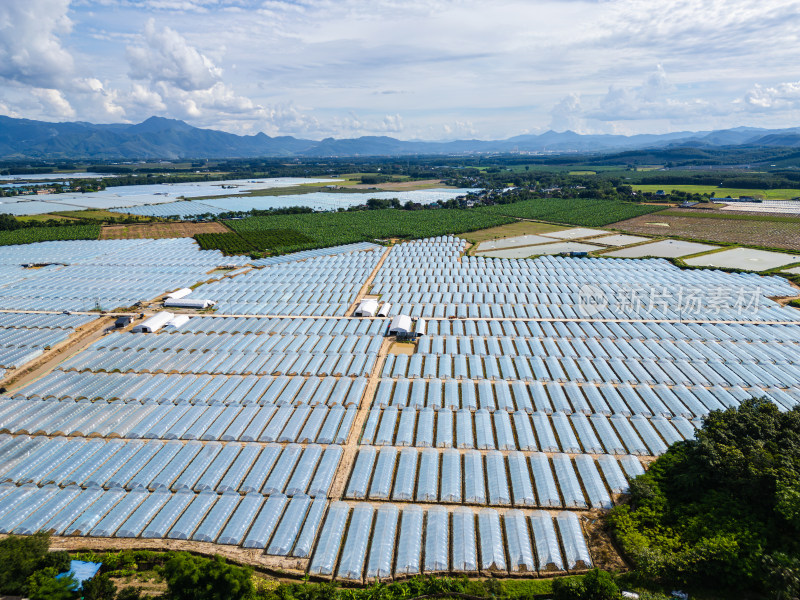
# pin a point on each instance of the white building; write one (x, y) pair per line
(154, 323)
(367, 308)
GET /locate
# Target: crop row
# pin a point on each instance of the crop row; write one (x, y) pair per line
(587, 212)
(30, 235)
(290, 233)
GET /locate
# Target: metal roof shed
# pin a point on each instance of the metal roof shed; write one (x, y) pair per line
(400, 324)
(367, 308)
(154, 323)
(189, 303)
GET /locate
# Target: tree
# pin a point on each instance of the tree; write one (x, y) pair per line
(195, 578)
(595, 585)
(713, 508)
(19, 558)
(600, 585)
(130, 593)
(45, 585)
(99, 587)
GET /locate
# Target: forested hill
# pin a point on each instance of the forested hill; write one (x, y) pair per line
(160, 138)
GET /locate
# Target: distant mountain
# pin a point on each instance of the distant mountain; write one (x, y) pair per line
(160, 138)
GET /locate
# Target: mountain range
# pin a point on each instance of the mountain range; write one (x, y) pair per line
(160, 138)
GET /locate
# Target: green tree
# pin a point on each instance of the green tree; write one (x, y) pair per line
(19, 558)
(712, 508)
(600, 585)
(44, 585)
(195, 578)
(129, 593)
(568, 589)
(99, 587)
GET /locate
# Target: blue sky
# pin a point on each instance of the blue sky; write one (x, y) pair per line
(436, 69)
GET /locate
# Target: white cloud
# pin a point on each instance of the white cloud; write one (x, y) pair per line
(462, 68)
(54, 102)
(7, 111)
(167, 57)
(567, 114)
(458, 130)
(780, 96)
(655, 99)
(146, 99)
(30, 49)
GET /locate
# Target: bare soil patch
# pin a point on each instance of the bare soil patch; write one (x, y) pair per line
(604, 554)
(402, 348)
(784, 235)
(159, 230)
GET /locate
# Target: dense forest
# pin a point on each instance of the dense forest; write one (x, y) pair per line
(722, 510)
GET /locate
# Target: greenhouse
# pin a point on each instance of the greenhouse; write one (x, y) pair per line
(286, 422)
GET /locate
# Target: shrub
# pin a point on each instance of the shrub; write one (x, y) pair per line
(191, 577)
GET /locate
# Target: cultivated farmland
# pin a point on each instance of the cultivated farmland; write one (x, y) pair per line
(286, 428)
(756, 230)
(160, 230)
(575, 211)
(30, 235)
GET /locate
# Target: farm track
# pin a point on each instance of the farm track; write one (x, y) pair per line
(82, 338)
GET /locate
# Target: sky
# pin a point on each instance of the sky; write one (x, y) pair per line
(410, 69)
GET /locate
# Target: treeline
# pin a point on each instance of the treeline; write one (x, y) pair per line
(759, 181)
(28, 569)
(10, 223)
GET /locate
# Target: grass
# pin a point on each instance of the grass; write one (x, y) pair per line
(44, 217)
(780, 194)
(522, 588)
(96, 215)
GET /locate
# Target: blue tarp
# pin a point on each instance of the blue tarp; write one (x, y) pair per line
(81, 571)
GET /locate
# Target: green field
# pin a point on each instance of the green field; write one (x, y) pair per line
(575, 211)
(780, 194)
(278, 234)
(288, 233)
(30, 235)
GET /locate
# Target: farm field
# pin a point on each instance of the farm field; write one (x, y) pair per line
(768, 233)
(575, 211)
(723, 213)
(777, 194)
(515, 229)
(160, 230)
(528, 251)
(283, 432)
(347, 183)
(95, 215)
(30, 235)
(744, 258)
(332, 229)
